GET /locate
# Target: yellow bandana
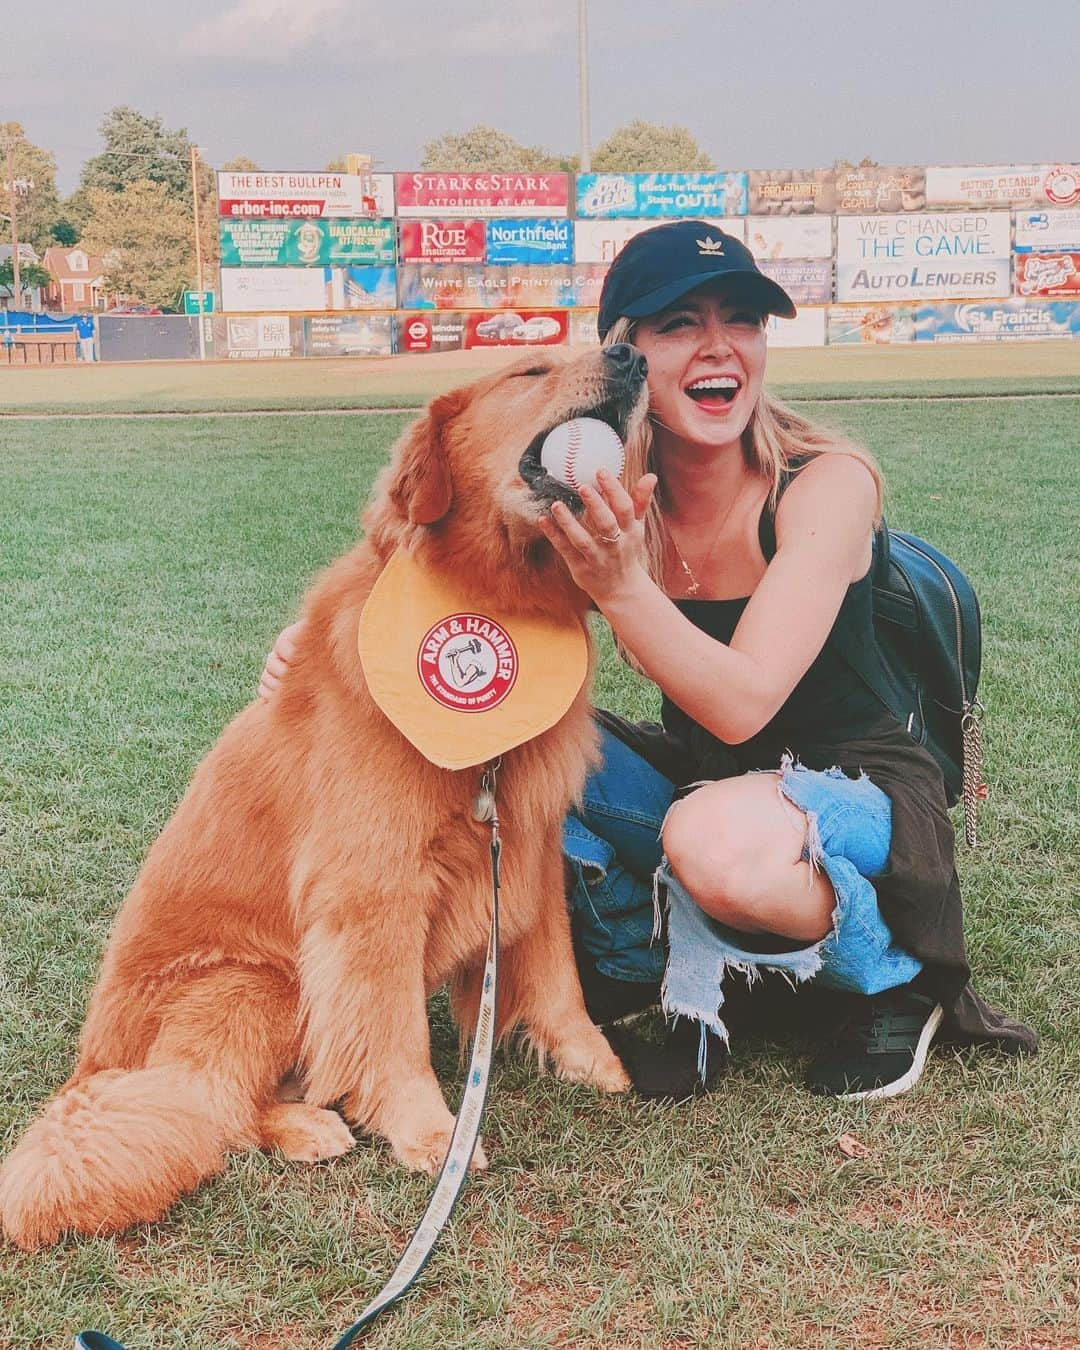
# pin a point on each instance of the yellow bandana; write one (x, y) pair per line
(460, 681)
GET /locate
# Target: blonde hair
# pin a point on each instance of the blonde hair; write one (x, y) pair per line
(777, 441)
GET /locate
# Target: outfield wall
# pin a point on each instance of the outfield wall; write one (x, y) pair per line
(317, 264)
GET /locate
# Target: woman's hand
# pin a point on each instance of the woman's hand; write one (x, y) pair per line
(602, 549)
(279, 660)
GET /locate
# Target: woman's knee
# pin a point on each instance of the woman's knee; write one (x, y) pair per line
(715, 861)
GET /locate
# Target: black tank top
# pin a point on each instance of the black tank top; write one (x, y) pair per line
(829, 704)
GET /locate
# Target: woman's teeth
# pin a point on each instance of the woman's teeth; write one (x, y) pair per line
(722, 387)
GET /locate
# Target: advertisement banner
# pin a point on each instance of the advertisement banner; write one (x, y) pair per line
(792, 192)
(808, 282)
(431, 332)
(600, 240)
(255, 288)
(305, 243)
(482, 194)
(583, 328)
(1040, 231)
(349, 335)
(604, 195)
(880, 188)
(871, 323)
(1048, 274)
(442, 241)
(1008, 320)
(1003, 185)
(530, 241)
(789, 236)
(307, 288)
(454, 330)
(362, 287)
(278, 196)
(258, 337)
(548, 329)
(807, 329)
(947, 253)
(529, 286)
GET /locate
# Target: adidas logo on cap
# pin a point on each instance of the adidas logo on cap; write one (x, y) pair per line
(711, 248)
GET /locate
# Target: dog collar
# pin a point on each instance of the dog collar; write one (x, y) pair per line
(460, 680)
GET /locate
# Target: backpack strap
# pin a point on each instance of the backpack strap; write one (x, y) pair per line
(861, 650)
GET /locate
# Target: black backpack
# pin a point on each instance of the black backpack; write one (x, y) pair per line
(925, 668)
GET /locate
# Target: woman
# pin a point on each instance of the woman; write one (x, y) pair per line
(726, 572)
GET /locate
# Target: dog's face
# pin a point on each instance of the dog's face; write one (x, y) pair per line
(470, 467)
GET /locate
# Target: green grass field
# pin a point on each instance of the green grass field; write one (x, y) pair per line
(826, 372)
(147, 564)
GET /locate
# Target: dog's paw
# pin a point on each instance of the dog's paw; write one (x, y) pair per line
(589, 1059)
(305, 1133)
(426, 1152)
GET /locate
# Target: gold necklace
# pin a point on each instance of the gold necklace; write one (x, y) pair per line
(692, 583)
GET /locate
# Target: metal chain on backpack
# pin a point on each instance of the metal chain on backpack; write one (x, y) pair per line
(975, 789)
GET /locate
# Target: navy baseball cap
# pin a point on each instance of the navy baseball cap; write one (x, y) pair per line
(654, 268)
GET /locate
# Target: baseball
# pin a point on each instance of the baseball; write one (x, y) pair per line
(574, 451)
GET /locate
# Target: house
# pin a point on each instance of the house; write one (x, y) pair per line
(27, 253)
(78, 280)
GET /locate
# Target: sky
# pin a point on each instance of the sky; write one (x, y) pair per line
(777, 84)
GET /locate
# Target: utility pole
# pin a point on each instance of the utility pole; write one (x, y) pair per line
(583, 83)
(198, 250)
(16, 276)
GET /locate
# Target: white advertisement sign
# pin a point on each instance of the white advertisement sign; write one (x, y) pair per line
(807, 329)
(255, 288)
(600, 240)
(923, 256)
(285, 196)
(789, 236)
(1003, 185)
(261, 336)
(1044, 231)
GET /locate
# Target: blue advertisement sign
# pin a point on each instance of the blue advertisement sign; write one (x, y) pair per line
(668, 195)
(997, 321)
(363, 287)
(529, 241)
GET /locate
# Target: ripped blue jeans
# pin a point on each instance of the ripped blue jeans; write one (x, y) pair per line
(622, 884)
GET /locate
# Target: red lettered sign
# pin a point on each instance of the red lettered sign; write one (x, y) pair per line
(482, 194)
(442, 241)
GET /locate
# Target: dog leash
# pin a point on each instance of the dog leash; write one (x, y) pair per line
(455, 1168)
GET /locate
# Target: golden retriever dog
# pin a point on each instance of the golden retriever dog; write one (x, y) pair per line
(321, 878)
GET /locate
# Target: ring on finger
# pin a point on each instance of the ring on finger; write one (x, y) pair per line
(611, 538)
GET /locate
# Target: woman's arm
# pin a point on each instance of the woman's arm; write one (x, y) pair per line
(823, 533)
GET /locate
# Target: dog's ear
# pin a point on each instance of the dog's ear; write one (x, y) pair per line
(421, 488)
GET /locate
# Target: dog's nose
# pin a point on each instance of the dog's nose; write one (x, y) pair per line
(626, 361)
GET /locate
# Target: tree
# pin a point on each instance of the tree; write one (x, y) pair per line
(65, 232)
(484, 149)
(139, 148)
(146, 240)
(240, 164)
(38, 206)
(641, 147)
(30, 274)
(76, 209)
